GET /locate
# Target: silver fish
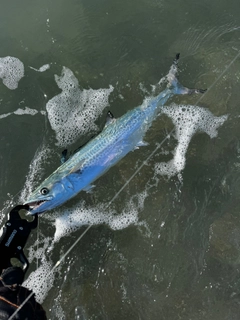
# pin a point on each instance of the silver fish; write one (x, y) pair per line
(118, 138)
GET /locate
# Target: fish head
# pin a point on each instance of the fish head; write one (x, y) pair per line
(47, 196)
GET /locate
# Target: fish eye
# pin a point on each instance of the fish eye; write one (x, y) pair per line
(44, 191)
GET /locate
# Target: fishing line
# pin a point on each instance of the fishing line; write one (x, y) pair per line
(127, 182)
(154, 151)
(167, 137)
(139, 168)
(218, 78)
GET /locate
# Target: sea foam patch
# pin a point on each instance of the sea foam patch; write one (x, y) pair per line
(187, 120)
(42, 68)
(11, 71)
(35, 171)
(21, 112)
(41, 280)
(73, 112)
(69, 220)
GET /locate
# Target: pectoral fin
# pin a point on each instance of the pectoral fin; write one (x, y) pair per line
(141, 144)
(89, 188)
(77, 167)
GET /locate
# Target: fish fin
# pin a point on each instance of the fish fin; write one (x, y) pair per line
(109, 119)
(173, 82)
(64, 156)
(141, 144)
(89, 188)
(77, 167)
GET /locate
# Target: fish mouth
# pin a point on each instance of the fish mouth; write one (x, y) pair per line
(35, 205)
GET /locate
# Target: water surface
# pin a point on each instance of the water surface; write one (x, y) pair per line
(168, 247)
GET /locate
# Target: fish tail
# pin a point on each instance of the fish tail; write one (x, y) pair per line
(173, 82)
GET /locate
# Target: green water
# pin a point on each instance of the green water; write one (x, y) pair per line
(182, 259)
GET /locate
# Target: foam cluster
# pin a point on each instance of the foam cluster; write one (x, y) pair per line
(42, 68)
(35, 171)
(11, 71)
(26, 110)
(187, 120)
(41, 280)
(72, 219)
(20, 112)
(72, 112)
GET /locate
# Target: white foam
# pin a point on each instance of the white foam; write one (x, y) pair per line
(11, 71)
(72, 112)
(187, 120)
(21, 112)
(69, 220)
(41, 280)
(6, 207)
(27, 110)
(5, 115)
(74, 218)
(35, 171)
(42, 68)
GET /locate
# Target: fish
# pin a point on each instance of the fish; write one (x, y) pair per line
(119, 137)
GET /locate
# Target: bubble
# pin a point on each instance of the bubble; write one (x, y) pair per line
(11, 71)
(72, 112)
(187, 120)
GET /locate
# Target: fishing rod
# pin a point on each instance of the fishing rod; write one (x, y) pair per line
(154, 151)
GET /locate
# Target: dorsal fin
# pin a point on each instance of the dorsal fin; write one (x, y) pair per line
(110, 115)
(64, 156)
(109, 119)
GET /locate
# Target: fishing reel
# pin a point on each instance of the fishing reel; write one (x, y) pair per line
(13, 237)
